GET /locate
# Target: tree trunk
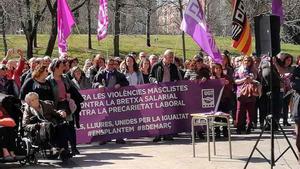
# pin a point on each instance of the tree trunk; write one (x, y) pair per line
(52, 39)
(2, 22)
(53, 33)
(29, 30)
(148, 26)
(117, 29)
(35, 40)
(89, 25)
(29, 39)
(182, 33)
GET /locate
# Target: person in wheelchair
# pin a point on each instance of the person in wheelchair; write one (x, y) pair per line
(41, 120)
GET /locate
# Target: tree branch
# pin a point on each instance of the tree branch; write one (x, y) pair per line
(50, 7)
(79, 6)
(39, 16)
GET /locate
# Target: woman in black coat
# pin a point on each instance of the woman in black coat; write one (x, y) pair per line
(38, 83)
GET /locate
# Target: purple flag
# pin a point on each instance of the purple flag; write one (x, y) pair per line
(102, 20)
(65, 21)
(277, 9)
(194, 24)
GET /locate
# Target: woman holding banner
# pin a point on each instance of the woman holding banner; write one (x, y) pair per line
(145, 68)
(132, 72)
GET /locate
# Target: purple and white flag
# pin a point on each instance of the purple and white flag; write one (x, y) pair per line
(195, 25)
(102, 20)
(65, 22)
(277, 9)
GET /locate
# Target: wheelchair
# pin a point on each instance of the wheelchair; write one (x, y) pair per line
(24, 152)
(43, 140)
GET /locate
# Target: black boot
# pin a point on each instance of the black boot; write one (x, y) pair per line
(218, 132)
(200, 135)
(225, 132)
(248, 130)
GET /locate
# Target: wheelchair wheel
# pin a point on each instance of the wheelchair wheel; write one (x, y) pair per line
(33, 159)
(23, 162)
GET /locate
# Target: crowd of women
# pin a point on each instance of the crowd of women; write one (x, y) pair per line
(50, 87)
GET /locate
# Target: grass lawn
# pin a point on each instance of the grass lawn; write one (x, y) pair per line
(128, 43)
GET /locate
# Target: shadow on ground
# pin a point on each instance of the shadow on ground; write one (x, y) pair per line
(85, 160)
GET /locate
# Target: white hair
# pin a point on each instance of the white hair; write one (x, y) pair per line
(29, 96)
(46, 58)
(169, 52)
(152, 56)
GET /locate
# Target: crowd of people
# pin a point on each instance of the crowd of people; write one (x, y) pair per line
(50, 88)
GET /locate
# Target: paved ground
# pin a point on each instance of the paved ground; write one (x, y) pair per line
(142, 153)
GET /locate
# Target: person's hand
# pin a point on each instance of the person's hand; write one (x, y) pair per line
(63, 114)
(248, 80)
(9, 53)
(37, 126)
(20, 52)
(274, 60)
(101, 89)
(117, 86)
(202, 80)
(225, 81)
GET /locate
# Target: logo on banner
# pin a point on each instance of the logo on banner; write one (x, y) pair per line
(208, 98)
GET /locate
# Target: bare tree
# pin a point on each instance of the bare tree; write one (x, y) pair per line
(150, 7)
(53, 34)
(2, 28)
(30, 21)
(291, 25)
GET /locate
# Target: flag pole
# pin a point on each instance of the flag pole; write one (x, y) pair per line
(182, 32)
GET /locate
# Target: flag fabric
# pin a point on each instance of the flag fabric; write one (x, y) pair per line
(65, 22)
(194, 24)
(277, 9)
(241, 31)
(102, 20)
